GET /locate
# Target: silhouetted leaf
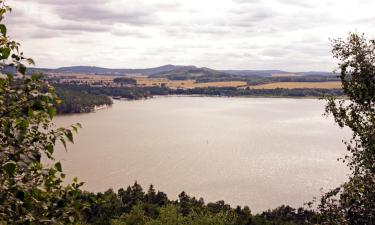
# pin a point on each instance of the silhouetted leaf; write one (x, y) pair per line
(3, 29)
(9, 167)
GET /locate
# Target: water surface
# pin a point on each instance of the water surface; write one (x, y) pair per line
(260, 152)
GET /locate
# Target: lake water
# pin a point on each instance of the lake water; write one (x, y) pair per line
(260, 152)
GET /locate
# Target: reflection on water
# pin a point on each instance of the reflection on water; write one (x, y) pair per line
(247, 151)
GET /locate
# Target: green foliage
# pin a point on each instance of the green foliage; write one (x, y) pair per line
(9, 49)
(286, 215)
(30, 192)
(354, 201)
(75, 101)
(232, 91)
(125, 80)
(146, 92)
(134, 206)
(171, 215)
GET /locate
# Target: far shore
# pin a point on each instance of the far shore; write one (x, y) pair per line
(224, 96)
(104, 107)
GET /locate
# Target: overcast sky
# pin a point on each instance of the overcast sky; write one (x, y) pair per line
(290, 35)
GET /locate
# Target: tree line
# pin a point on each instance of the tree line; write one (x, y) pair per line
(133, 205)
(134, 93)
(257, 80)
(79, 101)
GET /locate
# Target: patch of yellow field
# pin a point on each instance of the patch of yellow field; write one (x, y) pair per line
(221, 84)
(293, 85)
(151, 82)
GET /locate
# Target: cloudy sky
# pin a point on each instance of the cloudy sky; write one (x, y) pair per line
(222, 34)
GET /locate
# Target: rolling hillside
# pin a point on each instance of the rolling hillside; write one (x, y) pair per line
(175, 71)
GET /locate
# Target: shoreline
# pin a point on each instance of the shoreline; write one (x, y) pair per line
(224, 96)
(100, 107)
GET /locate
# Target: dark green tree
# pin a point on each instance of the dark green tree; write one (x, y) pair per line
(131, 196)
(184, 203)
(354, 201)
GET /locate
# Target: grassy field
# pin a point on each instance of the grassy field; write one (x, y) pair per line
(293, 85)
(221, 84)
(150, 82)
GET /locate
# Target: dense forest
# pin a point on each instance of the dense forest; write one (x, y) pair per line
(77, 101)
(133, 205)
(278, 92)
(125, 80)
(146, 92)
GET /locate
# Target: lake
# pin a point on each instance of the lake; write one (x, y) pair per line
(260, 152)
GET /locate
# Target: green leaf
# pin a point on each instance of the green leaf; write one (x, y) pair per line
(63, 142)
(5, 52)
(9, 167)
(3, 29)
(30, 112)
(52, 112)
(75, 129)
(50, 149)
(30, 61)
(23, 124)
(69, 135)
(16, 57)
(58, 166)
(22, 69)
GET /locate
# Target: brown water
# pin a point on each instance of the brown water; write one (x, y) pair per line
(261, 152)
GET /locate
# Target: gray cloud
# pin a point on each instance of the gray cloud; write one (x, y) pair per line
(195, 30)
(252, 2)
(70, 2)
(275, 52)
(246, 34)
(247, 19)
(100, 14)
(301, 3)
(78, 27)
(108, 11)
(78, 16)
(130, 33)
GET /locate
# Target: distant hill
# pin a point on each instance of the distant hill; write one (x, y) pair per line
(317, 73)
(106, 71)
(269, 73)
(172, 71)
(193, 72)
(251, 76)
(262, 73)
